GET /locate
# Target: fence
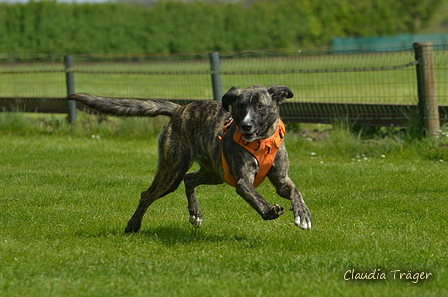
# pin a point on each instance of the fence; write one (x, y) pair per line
(386, 88)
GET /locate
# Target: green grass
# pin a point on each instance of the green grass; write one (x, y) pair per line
(65, 198)
(185, 79)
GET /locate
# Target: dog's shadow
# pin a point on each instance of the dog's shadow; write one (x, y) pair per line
(168, 235)
(171, 235)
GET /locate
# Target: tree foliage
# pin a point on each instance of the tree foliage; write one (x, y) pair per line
(179, 27)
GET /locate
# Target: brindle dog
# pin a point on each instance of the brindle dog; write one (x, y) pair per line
(192, 136)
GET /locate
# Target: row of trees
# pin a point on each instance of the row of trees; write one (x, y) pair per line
(199, 26)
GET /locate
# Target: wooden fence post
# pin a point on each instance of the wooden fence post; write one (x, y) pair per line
(427, 91)
(216, 77)
(70, 82)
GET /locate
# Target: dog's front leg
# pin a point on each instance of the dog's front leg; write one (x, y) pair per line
(278, 175)
(246, 189)
(287, 189)
(243, 167)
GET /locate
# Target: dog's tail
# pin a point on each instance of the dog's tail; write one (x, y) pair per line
(127, 107)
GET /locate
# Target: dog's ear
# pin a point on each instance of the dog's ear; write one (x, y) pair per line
(230, 97)
(280, 93)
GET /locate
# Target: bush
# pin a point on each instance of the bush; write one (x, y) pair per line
(186, 27)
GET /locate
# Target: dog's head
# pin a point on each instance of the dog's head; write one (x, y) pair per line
(255, 109)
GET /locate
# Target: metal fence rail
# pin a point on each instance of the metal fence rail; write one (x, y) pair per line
(369, 88)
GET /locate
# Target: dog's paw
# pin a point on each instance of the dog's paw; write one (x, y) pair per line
(277, 209)
(132, 229)
(274, 212)
(195, 221)
(304, 222)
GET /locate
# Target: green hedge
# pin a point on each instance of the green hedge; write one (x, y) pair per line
(187, 27)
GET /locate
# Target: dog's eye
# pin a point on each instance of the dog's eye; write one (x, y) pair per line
(260, 106)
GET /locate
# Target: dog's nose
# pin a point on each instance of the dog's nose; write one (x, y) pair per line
(246, 127)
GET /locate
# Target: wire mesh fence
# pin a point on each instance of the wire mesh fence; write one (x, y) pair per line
(334, 78)
(372, 78)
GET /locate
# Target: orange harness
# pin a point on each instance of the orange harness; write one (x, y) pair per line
(264, 150)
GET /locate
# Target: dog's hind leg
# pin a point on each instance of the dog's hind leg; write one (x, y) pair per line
(165, 182)
(173, 164)
(191, 181)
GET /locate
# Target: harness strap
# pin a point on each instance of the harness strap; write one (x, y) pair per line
(264, 151)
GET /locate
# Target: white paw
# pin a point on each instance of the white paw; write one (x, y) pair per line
(302, 224)
(195, 221)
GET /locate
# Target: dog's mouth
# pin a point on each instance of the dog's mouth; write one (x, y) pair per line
(249, 137)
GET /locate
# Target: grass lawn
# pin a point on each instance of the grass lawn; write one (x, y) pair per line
(65, 199)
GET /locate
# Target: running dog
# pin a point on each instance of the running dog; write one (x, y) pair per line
(241, 152)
